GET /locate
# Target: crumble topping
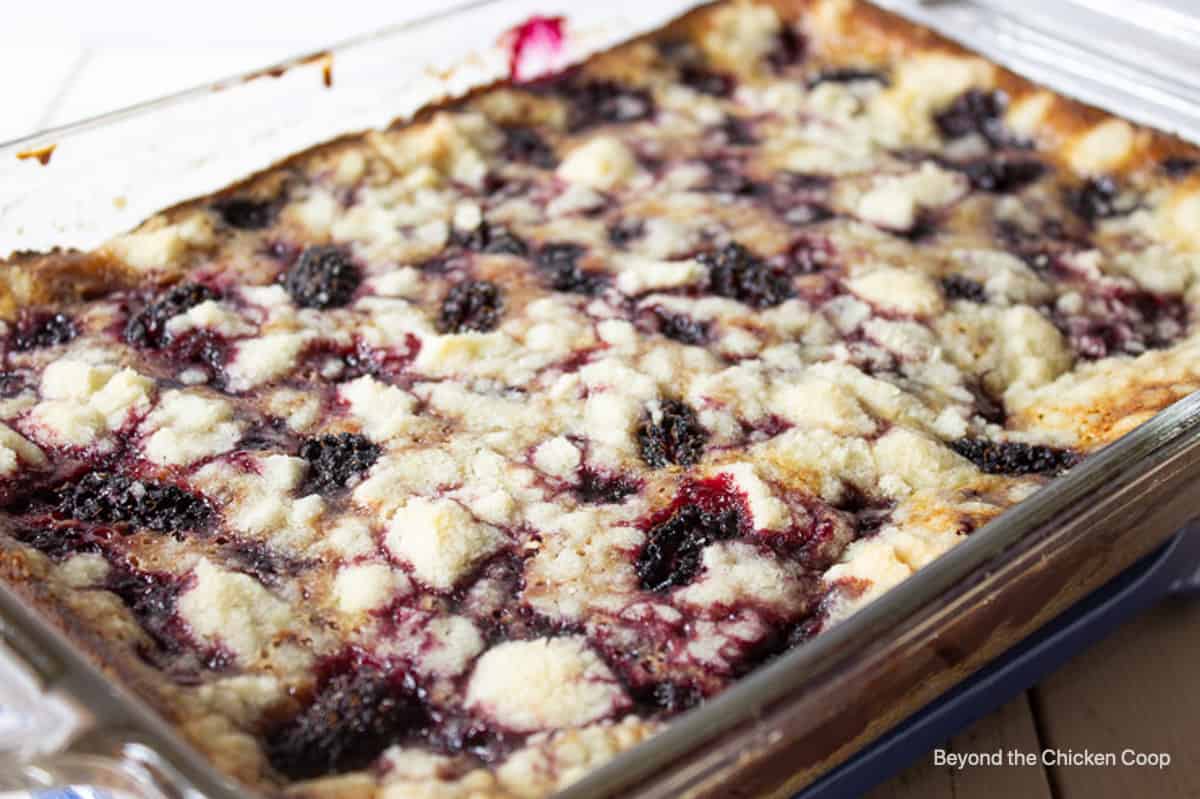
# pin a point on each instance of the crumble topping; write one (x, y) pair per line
(455, 458)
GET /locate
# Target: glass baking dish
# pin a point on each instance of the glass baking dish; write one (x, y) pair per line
(787, 724)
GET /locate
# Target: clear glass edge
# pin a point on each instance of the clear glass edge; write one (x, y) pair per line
(55, 134)
(1023, 531)
(1134, 455)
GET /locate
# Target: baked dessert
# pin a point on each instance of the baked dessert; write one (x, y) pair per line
(452, 459)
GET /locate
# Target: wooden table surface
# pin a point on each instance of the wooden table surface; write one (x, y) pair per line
(1133, 691)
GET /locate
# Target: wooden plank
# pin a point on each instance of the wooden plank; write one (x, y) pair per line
(1135, 690)
(1009, 728)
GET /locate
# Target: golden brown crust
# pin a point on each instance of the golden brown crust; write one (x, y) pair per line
(853, 33)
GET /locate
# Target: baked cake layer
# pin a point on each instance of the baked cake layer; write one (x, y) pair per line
(452, 459)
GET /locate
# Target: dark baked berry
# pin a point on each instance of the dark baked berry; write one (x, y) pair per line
(706, 81)
(623, 231)
(246, 214)
(672, 435)
(790, 48)
(11, 384)
(199, 346)
(669, 697)
(602, 488)
(960, 287)
(470, 305)
(737, 273)
(975, 111)
(352, 719)
(1042, 247)
(1098, 198)
(148, 327)
(59, 543)
(600, 102)
(271, 434)
(151, 597)
(727, 177)
(526, 146)
(1014, 457)
(671, 556)
(1123, 322)
(681, 327)
(36, 330)
(736, 132)
(1003, 177)
(559, 261)
(801, 199)
(847, 75)
(322, 277)
(260, 561)
(491, 240)
(106, 498)
(1178, 166)
(334, 460)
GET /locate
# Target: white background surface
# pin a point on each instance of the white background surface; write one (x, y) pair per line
(69, 60)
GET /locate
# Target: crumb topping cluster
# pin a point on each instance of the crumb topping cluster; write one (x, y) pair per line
(453, 459)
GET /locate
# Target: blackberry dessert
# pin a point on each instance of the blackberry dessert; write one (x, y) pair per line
(452, 459)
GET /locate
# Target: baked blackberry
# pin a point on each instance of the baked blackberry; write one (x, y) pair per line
(672, 436)
(322, 277)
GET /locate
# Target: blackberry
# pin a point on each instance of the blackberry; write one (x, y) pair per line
(1014, 457)
(960, 287)
(737, 273)
(975, 111)
(525, 145)
(1003, 177)
(1097, 198)
(354, 717)
(261, 562)
(1039, 248)
(600, 102)
(334, 460)
(470, 305)
(725, 177)
(669, 697)
(11, 384)
(59, 543)
(736, 132)
(600, 488)
(790, 48)
(671, 556)
(37, 330)
(681, 327)
(151, 598)
(559, 261)
(623, 231)
(847, 75)
(676, 436)
(1178, 166)
(243, 213)
(705, 81)
(106, 498)
(148, 327)
(322, 277)
(1127, 322)
(491, 240)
